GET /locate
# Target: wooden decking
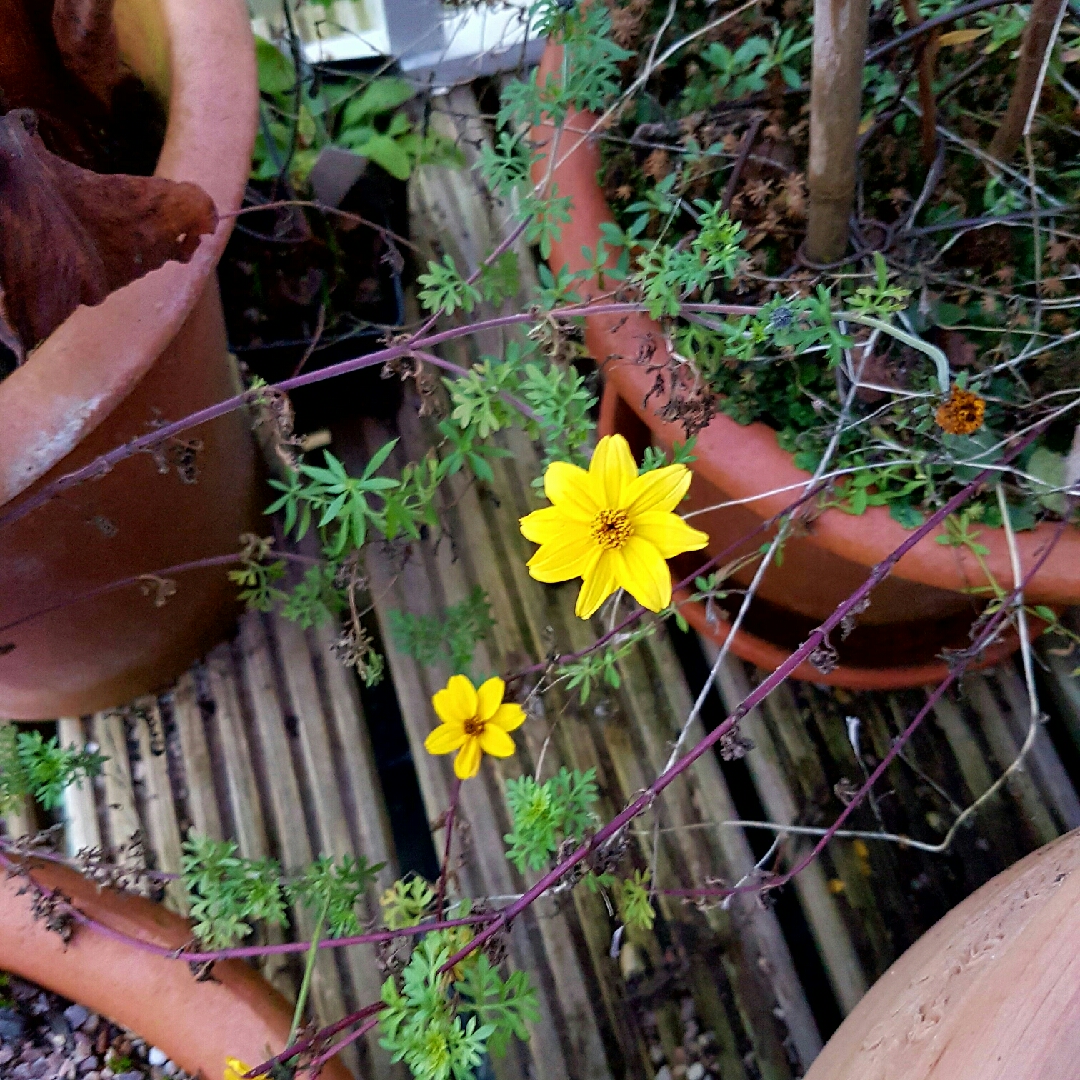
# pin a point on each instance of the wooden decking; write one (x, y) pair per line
(270, 741)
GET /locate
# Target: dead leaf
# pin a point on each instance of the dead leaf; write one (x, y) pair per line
(961, 37)
(71, 236)
(86, 37)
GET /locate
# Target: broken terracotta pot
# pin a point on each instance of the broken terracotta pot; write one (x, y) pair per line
(924, 607)
(152, 352)
(991, 992)
(197, 1024)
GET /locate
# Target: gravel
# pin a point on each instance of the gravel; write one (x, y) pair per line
(44, 1037)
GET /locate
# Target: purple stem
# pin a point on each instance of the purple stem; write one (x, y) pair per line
(103, 464)
(137, 579)
(982, 639)
(754, 698)
(359, 1033)
(455, 795)
(323, 1033)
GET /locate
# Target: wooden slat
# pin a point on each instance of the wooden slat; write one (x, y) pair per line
(318, 758)
(199, 788)
(833, 941)
(362, 792)
(122, 821)
(763, 937)
(1006, 746)
(241, 794)
(486, 871)
(286, 809)
(82, 831)
(162, 830)
(1043, 762)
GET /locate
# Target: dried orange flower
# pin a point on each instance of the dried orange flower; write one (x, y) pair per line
(962, 414)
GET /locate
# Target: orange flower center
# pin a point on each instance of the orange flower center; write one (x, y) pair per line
(611, 528)
(473, 726)
(962, 413)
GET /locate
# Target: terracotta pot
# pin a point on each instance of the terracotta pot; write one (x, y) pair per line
(915, 613)
(992, 992)
(154, 351)
(198, 1024)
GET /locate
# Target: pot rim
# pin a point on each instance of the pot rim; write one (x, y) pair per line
(745, 461)
(200, 55)
(198, 1024)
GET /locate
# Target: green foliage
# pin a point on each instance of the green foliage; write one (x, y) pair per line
(333, 889)
(506, 1005)
(31, 766)
(490, 398)
(445, 290)
(585, 673)
(340, 505)
(632, 896)
(590, 69)
(442, 1023)
(729, 74)
(406, 902)
(669, 275)
(499, 279)
(452, 635)
(256, 580)
(315, 599)
(655, 458)
(420, 1027)
(227, 892)
(304, 114)
(546, 814)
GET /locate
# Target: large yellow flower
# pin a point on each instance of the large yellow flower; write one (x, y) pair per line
(474, 722)
(611, 527)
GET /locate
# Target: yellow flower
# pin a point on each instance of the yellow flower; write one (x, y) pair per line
(611, 527)
(235, 1069)
(473, 721)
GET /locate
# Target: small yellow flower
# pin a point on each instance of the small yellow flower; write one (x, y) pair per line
(474, 721)
(962, 413)
(235, 1069)
(611, 527)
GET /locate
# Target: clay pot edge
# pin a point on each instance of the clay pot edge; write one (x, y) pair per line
(744, 461)
(76, 378)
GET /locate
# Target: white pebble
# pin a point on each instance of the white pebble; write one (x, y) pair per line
(156, 1056)
(696, 1071)
(170, 1068)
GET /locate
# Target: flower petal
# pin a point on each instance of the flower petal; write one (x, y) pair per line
(641, 571)
(489, 698)
(611, 471)
(467, 763)
(568, 487)
(598, 584)
(568, 557)
(542, 526)
(445, 738)
(659, 489)
(495, 741)
(508, 717)
(668, 533)
(456, 702)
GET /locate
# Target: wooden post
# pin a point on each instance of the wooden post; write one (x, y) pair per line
(1038, 34)
(840, 28)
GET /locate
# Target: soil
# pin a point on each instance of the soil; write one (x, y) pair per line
(45, 1037)
(303, 290)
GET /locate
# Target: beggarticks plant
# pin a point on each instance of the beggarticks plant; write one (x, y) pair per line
(900, 378)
